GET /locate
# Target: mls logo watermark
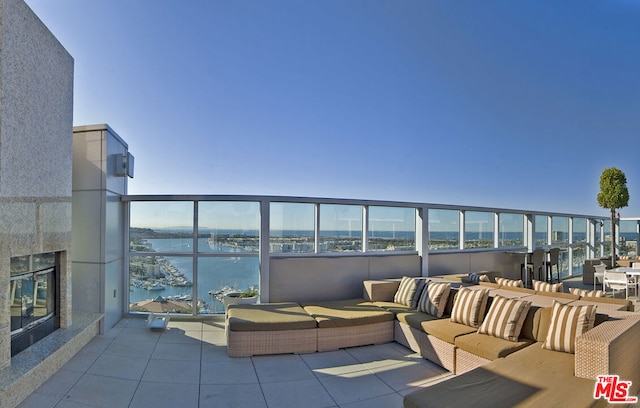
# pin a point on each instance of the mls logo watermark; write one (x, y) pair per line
(614, 390)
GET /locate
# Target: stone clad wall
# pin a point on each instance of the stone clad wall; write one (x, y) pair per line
(36, 119)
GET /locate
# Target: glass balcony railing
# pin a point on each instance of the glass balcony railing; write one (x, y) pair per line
(186, 252)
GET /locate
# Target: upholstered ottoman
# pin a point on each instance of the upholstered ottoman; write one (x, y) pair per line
(350, 323)
(272, 328)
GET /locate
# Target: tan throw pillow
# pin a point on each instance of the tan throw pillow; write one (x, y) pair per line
(406, 290)
(540, 286)
(567, 323)
(505, 318)
(509, 282)
(469, 306)
(585, 293)
(434, 298)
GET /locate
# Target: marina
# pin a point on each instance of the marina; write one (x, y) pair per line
(161, 278)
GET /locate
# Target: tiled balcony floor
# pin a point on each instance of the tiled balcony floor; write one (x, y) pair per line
(187, 366)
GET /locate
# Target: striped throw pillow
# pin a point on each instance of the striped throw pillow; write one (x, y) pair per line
(406, 291)
(509, 282)
(587, 293)
(422, 283)
(477, 278)
(540, 286)
(567, 323)
(434, 298)
(505, 318)
(469, 306)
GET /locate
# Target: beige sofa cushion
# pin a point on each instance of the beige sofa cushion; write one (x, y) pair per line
(415, 318)
(489, 347)
(445, 329)
(518, 289)
(505, 318)
(393, 307)
(469, 306)
(531, 324)
(567, 323)
(535, 356)
(558, 295)
(607, 303)
(346, 313)
(269, 317)
(503, 383)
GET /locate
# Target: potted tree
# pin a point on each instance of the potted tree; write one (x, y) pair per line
(613, 195)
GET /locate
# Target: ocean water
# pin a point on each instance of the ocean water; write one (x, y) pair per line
(213, 273)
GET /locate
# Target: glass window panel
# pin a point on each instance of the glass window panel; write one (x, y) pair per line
(559, 230)
(579, 256)
(24, 301)
(606, 239)
(220, 275)
(392, 229)
(32, 263)
(20, 264)
(598, 235)
(563, 262)
(160, 220)
(340, 228)
(579, 230)
(228, 226)
(292, 227)
(160, 284)
(541, 230)
(607, 232)
(43, 261)
(32, 291)
(511, 230)
(478, 229)
(628, 237)
(15, 300)
(444, 229)
(44, 294)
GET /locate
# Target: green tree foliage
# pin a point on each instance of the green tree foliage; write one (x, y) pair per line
(613, 195)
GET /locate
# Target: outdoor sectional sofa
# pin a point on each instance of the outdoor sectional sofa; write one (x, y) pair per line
(489, 369)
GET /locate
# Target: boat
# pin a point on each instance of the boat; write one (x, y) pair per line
(156, 286)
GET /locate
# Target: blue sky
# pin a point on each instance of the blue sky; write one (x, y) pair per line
(509, 104)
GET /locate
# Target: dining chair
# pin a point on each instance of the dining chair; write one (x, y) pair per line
(618, 281)
(598, 275)
(554, 257)
(536, 264)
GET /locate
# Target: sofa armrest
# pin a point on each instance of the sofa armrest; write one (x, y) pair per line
(379, 290)
(610, 348)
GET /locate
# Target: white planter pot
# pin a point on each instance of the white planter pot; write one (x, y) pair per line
(233, 299)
